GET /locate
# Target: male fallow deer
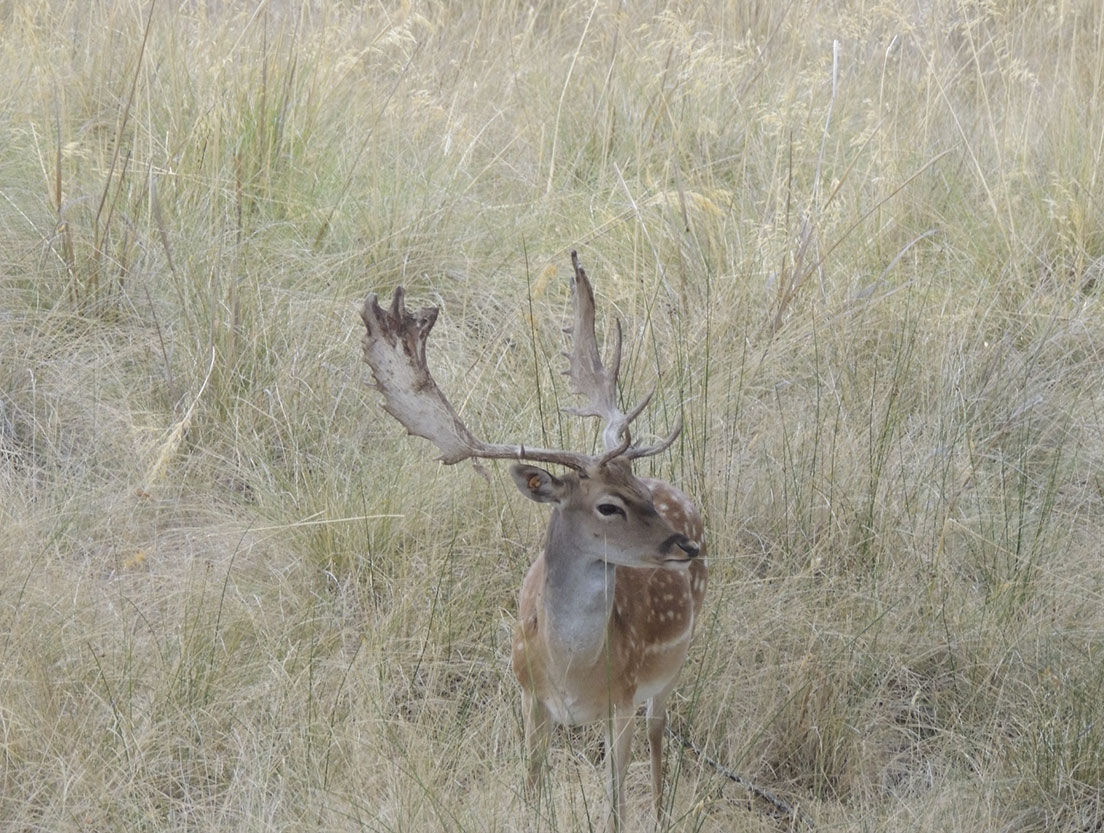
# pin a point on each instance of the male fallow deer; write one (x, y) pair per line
(608, 609)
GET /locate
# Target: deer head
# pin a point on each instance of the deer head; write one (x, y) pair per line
(600, 506)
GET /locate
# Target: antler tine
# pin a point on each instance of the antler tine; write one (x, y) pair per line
(395, 348)
(651, 450)
(616, 451)
(640, 406)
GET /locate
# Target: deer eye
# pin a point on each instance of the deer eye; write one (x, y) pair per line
(610, 509)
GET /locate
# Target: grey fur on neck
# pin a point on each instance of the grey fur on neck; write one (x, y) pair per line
(578, 594)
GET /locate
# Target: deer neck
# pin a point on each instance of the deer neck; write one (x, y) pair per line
(578, 597)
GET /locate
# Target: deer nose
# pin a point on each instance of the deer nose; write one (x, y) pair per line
(689, 547)
(682, 542)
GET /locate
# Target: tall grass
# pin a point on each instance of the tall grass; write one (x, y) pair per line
(858, 247)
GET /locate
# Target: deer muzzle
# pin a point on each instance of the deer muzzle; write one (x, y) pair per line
(688, 548)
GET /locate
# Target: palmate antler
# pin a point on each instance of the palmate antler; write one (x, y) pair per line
(591, 379)
(395, 349)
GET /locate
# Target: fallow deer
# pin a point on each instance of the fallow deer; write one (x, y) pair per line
(608, 609)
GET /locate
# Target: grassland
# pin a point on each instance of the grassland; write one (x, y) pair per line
(859, 244)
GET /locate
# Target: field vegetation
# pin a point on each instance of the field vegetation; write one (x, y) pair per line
(860, 245)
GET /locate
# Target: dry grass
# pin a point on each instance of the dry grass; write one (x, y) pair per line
(861, 245)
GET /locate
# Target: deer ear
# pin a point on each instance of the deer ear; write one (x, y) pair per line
(537, 484)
